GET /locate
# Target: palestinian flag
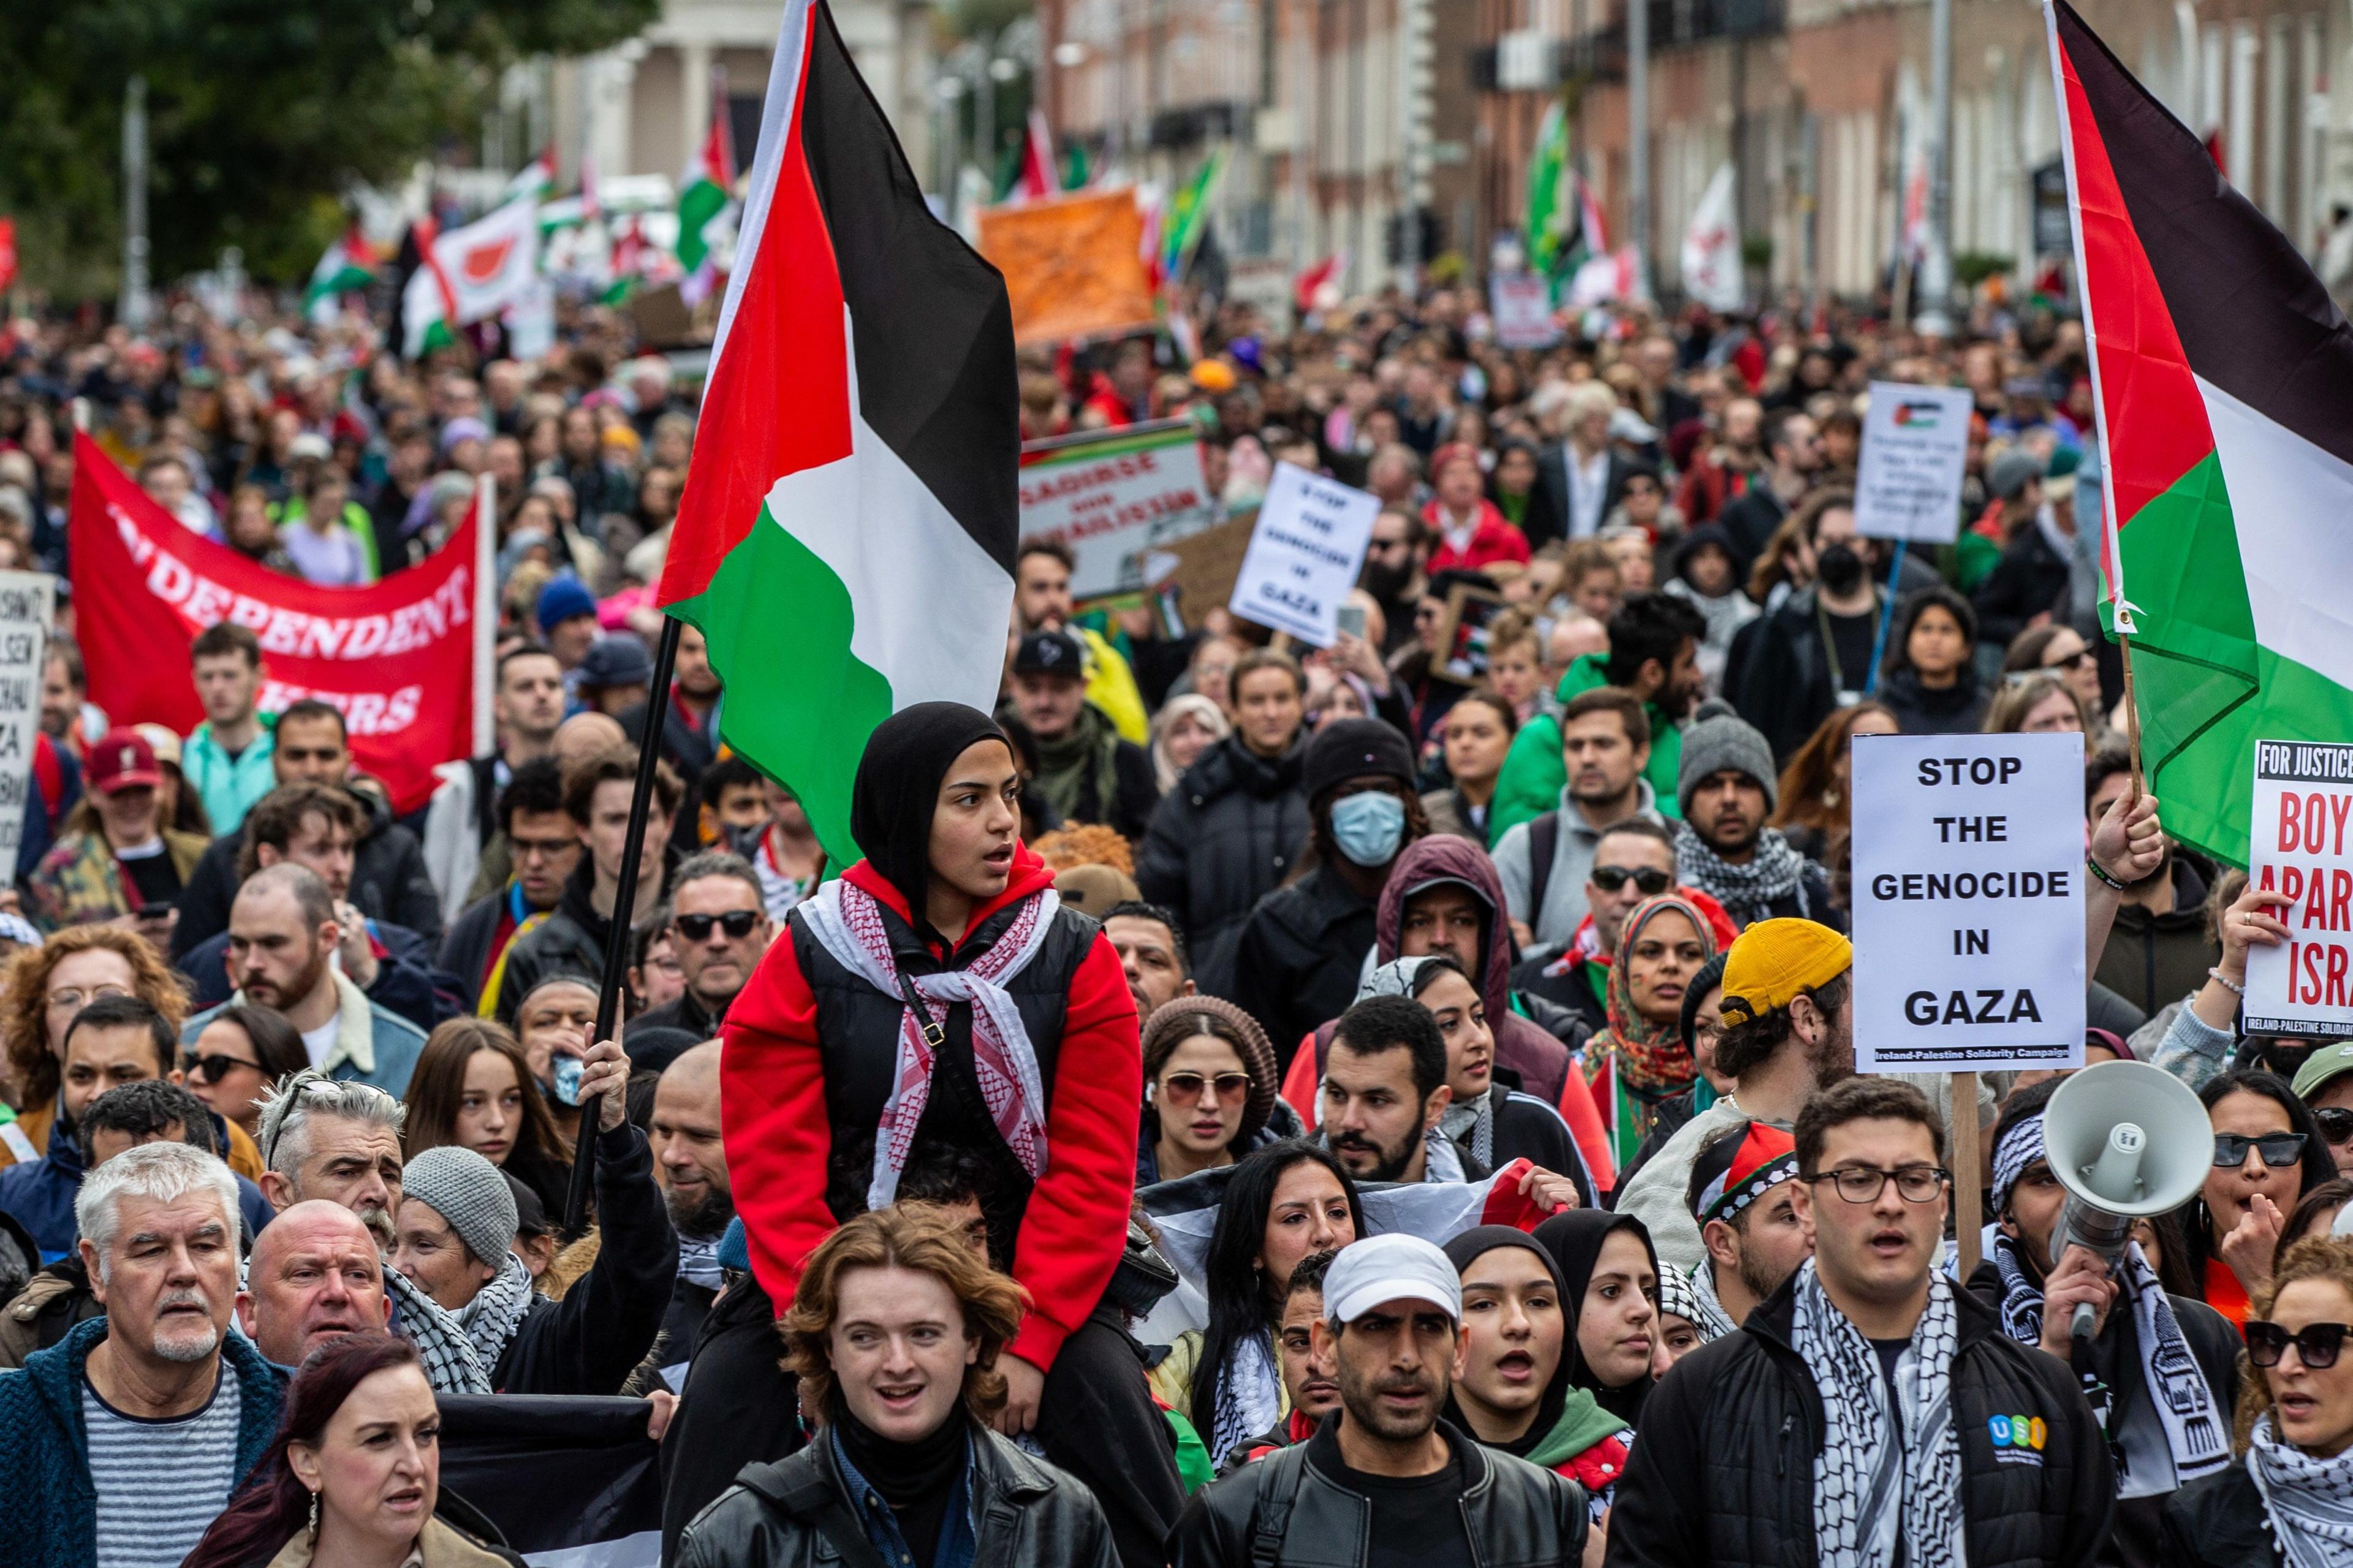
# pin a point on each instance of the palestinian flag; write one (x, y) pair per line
(704, 191)
(2223, 379)
(1184, 1210)
(845, 541)
(348, 266)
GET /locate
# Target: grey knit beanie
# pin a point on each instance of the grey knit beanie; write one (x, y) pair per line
(1720, 739)
(468, 1192)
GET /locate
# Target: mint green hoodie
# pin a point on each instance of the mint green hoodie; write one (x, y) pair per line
(1533, 775)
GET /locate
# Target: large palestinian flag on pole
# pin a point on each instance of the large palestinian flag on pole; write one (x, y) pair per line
(2224, 377)
(845, 541)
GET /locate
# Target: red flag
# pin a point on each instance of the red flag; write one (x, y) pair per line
(395, 658)
(1036, 181)
(7, 253)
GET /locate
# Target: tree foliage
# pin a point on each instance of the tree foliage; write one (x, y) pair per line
(259, 113)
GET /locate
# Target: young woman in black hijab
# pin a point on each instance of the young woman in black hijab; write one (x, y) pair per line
(1516, 1341)
(1609, 1273)
(939, 991)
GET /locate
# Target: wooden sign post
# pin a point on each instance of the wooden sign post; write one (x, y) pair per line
(1968, 1207)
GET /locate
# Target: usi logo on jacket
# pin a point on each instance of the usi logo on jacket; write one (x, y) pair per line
(2019, 1439)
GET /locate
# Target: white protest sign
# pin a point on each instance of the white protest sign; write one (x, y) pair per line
(1968, 902)
(2301, 843)
(1113, 497)
(1305, 553)
(1521, 305)
(1915, 452)
(27, 602)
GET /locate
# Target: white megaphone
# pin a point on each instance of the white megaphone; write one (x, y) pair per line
(2128, 1141)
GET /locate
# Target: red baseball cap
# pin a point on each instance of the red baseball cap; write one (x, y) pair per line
(123, 760)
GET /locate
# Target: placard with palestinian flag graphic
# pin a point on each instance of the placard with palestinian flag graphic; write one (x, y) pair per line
(845, 537)
(2222, 375)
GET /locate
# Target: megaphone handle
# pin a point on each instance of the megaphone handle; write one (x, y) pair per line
(2082, 1324)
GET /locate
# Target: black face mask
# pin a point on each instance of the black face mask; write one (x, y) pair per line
(1839, 567)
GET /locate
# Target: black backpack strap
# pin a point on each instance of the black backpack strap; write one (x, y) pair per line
(803, 1492)
(1543, 843)
(1271, 1521)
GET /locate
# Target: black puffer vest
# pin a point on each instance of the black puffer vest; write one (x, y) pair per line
(858, 1035)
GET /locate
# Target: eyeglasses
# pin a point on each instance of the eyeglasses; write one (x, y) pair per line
(1649, 880)
(216, 1066)
(73, 998)
(2336, 1123)
(2316, 1344)
(2279, 1150)
(541, 849)
(736, 923)
(1863, 1184)
(1186, 1087)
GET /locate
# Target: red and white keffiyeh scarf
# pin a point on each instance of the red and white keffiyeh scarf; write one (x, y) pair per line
(848, 924)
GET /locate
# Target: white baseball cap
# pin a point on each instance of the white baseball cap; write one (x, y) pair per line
(1395, 1267)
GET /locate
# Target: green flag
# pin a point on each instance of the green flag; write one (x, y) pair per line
(1188, 216)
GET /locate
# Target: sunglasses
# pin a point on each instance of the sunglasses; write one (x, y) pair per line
(2316, 1344)
(1648, 879)
(1185, 1086)
(216, 1066)
(736, 923)
(2076, 660)
(2336, 1123)
(2279, 1150)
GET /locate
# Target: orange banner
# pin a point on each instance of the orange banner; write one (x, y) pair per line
(1073, 267)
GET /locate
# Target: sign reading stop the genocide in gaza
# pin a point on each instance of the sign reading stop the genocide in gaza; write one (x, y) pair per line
(1968, 902)
(2300, 843)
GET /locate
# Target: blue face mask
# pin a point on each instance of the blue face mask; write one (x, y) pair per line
(1368, 826)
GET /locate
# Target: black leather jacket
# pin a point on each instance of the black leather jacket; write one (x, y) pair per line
(1027, 1512)
(1518, 1515)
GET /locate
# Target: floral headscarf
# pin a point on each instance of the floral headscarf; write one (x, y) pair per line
(1651, 1059)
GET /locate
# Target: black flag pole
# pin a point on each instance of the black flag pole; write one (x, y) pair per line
(624, 903)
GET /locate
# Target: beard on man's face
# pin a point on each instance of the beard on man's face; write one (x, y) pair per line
(1351, 1149)
(699, 1215)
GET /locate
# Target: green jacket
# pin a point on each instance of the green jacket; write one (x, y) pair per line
(1533, 775)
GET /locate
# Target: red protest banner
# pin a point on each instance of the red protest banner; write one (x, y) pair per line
(395, 658)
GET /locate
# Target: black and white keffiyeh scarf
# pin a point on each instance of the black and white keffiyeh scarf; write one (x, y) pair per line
(1473, 1126)
(2307, 1501)
(497, 1311)
(450, 1365)
(2197, 1434)
(1249, 1398)
(697, 1261)
(1747, 892)
(1713, 1321)
(1874, 1489)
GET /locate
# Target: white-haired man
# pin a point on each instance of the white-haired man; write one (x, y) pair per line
(126, 1439)
(339, 1140)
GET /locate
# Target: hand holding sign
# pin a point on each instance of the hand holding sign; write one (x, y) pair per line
(2130, 842)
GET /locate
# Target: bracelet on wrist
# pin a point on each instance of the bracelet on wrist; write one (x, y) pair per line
(2227, 984)
(2102, 873)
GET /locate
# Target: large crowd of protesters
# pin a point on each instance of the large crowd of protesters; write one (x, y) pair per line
(1251, 1104)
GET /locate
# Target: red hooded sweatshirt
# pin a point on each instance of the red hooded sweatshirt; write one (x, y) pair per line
(778, 1136)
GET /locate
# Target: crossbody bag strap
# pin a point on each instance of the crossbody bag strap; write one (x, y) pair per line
(1273, 1516)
